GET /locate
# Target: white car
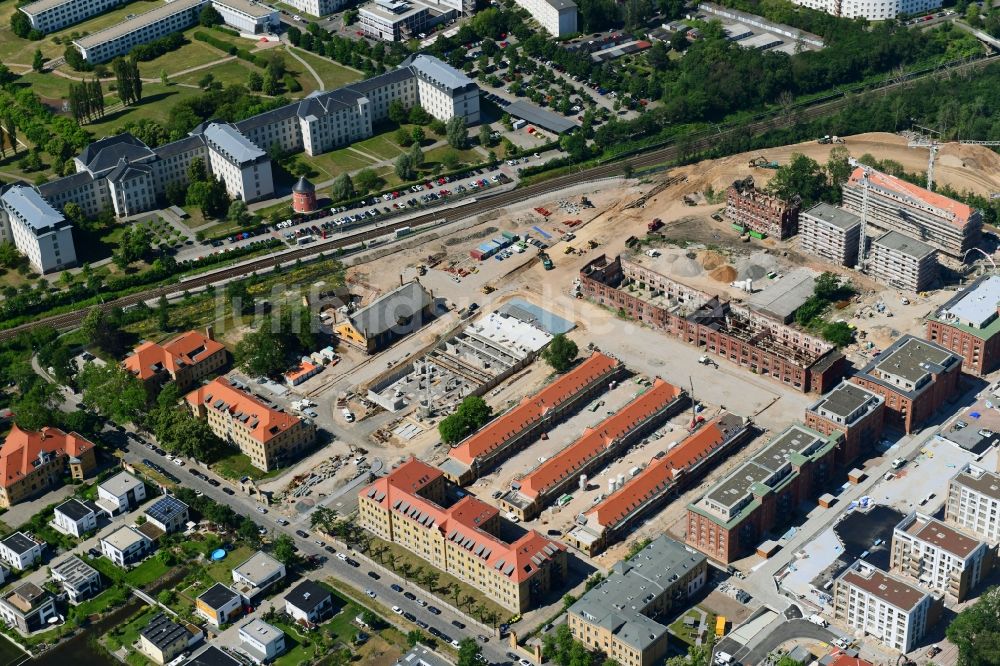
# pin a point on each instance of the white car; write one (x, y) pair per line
(296, 18)
(371, 593)
(178, 462)
(261, 509)
(342, 556)
(421, 602)
(397, 610)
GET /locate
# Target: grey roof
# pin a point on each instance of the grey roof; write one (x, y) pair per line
(105, 154)
(66, 184)
(911, 358)
(258, 567)
(844, 399)
(561, 4)
(212, 656)
(392, 76)
(42, 5)
(443, 74)
(128, 171)
(166, 509)
(137, 22)
(977, 305)
(979, 480)
(910, 247)
(384, 313)
(162, 631)
(781, 298)
(75, 509)
(268, 117)
(19, 542)
(262, 631)
(254, 9)
(304, 186)
(420, 655)
(539, 116)
(184, 145)
(124, 537)
(619, 602)
(217, 596)
(307, 595)
(322, 104)
(73, 571)
(36, 211)
(228, 141)
(838, 217)
(120, 484)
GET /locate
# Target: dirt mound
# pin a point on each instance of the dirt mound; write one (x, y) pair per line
(710, 260)
(723, 274)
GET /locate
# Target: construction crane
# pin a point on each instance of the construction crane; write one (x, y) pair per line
(865, 171)
(933, 146)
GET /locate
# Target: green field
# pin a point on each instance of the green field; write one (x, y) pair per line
(228, 73)
(192, 54)
(381, 146)
(334, 75)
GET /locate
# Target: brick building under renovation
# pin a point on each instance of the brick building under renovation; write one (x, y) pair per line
(759, 213)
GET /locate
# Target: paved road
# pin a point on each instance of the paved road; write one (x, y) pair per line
(774, 635)
(357, 577)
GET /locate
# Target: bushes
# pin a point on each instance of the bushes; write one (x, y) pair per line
(291, 85)
(157, 47)
(231, 49)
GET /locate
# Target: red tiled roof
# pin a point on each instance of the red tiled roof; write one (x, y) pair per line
(262, 421)
(532, 408)
(841, 658)
(595, 440)
(21, 449)
(186, 349)
(960, 211)
(658, 474)
(303, 368)
(461, 523)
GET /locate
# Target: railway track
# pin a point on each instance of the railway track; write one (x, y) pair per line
(694, 143)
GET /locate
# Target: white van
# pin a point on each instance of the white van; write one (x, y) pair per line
(723, 658)
(818, 621)
(348, 415)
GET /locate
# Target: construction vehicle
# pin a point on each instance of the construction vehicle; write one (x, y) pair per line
(421, 270)
(488, 289)
(592, 244)
(569, 249)
(655, 225)
(761, 162)
(829, 139)
(546, 261)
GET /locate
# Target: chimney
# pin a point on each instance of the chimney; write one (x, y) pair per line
(210, 332)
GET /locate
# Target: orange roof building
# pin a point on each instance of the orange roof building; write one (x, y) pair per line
(593, 449)
(523, 424)
(184, 359)
(302, 372)
(32, 463)
(948, 226)
(269, 436)
(666, 472)
(414, 506)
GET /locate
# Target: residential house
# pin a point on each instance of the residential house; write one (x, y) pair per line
(76, 517)
(219, 605)
(27, 608)
(126, 546)
(21, 550)
(120, 494)
(78, 579)
(309, 603)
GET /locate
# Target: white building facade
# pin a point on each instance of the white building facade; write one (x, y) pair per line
(248, 16)
(940, 557)
(318, 7)
(76, 518)
(119, 39)
(974, 502)
(558, 17)
(873, 10)
(37, 229)
(20, 551)
(236, 161)
(52, 15)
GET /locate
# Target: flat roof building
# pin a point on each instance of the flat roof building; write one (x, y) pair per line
(121, 38)
(969, 324)
(255, 576)
(248, 16)
(831, 233)
(167, 513)
(974, 502)
(624, 615)
(126, 546)
(122, 492)
(915, 377)
(902, 262)
(855, 412)
(78, 579)
(27, 608)
(261, 640)
(163, 640)
(781, 299)
(558, 17)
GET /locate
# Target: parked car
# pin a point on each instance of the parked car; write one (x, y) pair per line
(302, 533)
(396, 588)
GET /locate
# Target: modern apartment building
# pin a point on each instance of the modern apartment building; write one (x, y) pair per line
(948, 226)
(831, 233)
(969, 325)
(126, 546)
(76, 517)
(595, 448)
(520, 426)
(915, 377)
(394, 20)
(122, 492)
(184, 359)
(731, 519)
(853, 411)
(624, 616)
(78, 579)
(32, 463)
(884, 606)
(21, 550)
(902, 262)
(51, 15)
(940, 557)
(974, 502)
(248, 16)
(261, 640)
(415, 507)
(270, 437)
(668, 473)
(318, 7)
(881, 10)
(558, 17)
(39, 231)
(730, 330)
(28, 608)
(121, 38)
(759, 213)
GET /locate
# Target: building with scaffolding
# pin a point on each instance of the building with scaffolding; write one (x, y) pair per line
(969, 324)
(902, 262)
(831, 233)
(732, 331)
(951, 227)
(759, 213)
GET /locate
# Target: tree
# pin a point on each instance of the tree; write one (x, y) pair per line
(468, 652)
(976, 631)
(284, 550)
(451, 160)
(209, 16)
(414, 636)
(802, 177)
(397, 112)
(270, 84)
(485, 136)
(255, 81)
(206, 81)
(403, 138)
(472, 414)
(438, 127)
(163, 314)
(560, 353)
(10, 128)
(366, 180)
(322, 518)
(418, 116)
(342, 188)
(38, 61)
(458, 134)
(418, 134)
(238, 213)
(679, 41)
(416, 156)
(9, 255)
(20, 24)
(36, 407)
(838, 166)
(113, 391)
(294, 35)
(261, 352)
(102, 330)
(248, 532)
(196, 170)
(404, 167)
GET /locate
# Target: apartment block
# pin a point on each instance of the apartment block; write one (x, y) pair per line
(948, 226)
(318, 7)
(394, 20)
(51, 15)
(831, 233)
(902, 262)
(415, 507)
(940, 557)
(521, 425)
(730, 330)
(884, 606)
(269, 436)
(759, 213)
(969, 325)
(915, 377)
(33, 463)
(558, 17)
(625, 615)
(974, 502)
(37, 230)
(853, 411)
(668, 473)
(184, 359)
(121, 38)
(873, 11)
(237, 162)
(733, 517)
(593, 450)
(248, 16)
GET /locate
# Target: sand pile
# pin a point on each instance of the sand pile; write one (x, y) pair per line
(710, 260)
(723, 274)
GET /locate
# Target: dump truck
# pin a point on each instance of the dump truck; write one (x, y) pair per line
(546, 261)
(655, 225)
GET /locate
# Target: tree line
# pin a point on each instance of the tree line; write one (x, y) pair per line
(129, 81)
(86, 100)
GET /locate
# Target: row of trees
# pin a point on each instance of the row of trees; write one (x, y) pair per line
(86, 100)
(129, 80)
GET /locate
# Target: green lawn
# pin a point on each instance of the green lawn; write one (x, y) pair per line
(237, 465)
(468, 156)
(381, 146)
(334, 163)
(157, 104)
(148, 572)
(106, 567)
(295, 650)
(98, 23)
(334, 75)
(228, 73)
(222, 571)
(689, 635)
(192, 54)
(127, 634)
